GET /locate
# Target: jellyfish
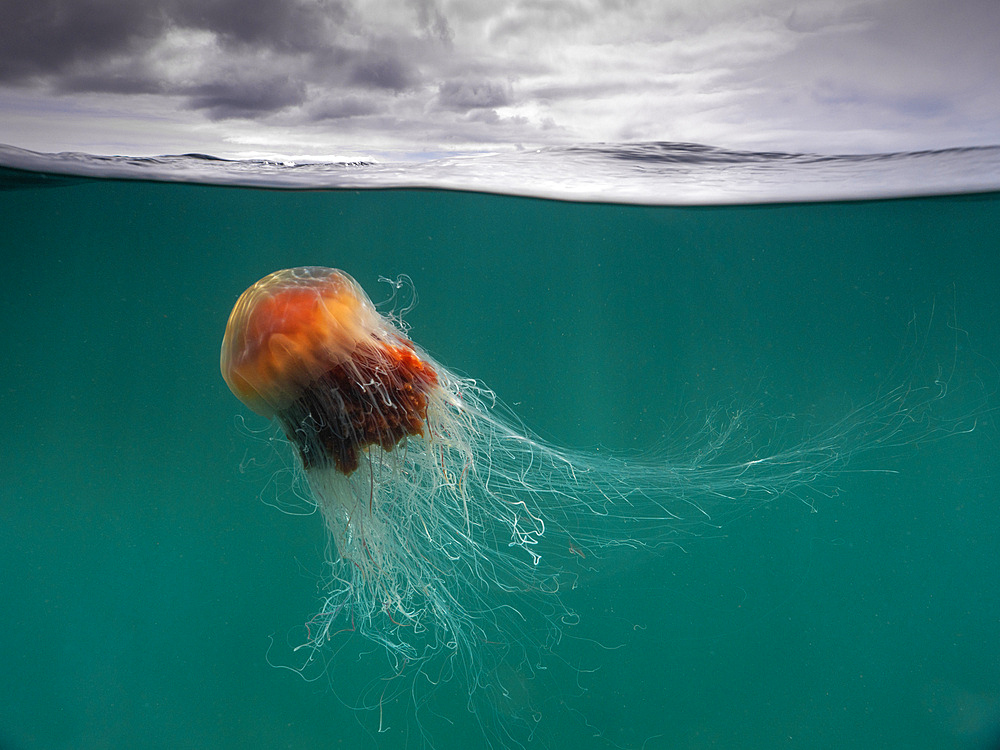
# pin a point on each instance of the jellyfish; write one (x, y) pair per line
(455, 531)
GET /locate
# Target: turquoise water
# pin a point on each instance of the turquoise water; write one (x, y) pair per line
(152, 593)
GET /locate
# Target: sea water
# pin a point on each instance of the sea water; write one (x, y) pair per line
(154, 589)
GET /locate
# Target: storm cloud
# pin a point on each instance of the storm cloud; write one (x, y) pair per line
(309, 76)
(231, 58)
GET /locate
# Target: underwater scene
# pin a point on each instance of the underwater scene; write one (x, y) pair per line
(551, 470)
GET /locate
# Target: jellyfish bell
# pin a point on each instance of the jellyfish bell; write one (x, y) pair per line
(306, 345)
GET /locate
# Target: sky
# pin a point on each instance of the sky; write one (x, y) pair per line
(412, 79)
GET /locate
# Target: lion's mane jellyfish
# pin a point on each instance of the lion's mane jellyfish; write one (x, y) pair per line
(306, 346)
(454, 530)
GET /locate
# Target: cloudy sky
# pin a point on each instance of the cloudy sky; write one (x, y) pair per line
(407, 78)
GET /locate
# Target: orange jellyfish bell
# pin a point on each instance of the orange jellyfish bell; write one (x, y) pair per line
(307, 346)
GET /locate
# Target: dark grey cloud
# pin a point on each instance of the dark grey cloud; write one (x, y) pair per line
(473, 94)
(343, 108)
(43, 37)
(252, 58)
(382, 71)
(284, 25)
(247, 97)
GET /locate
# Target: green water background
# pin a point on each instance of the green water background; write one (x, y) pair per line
(144, 578)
